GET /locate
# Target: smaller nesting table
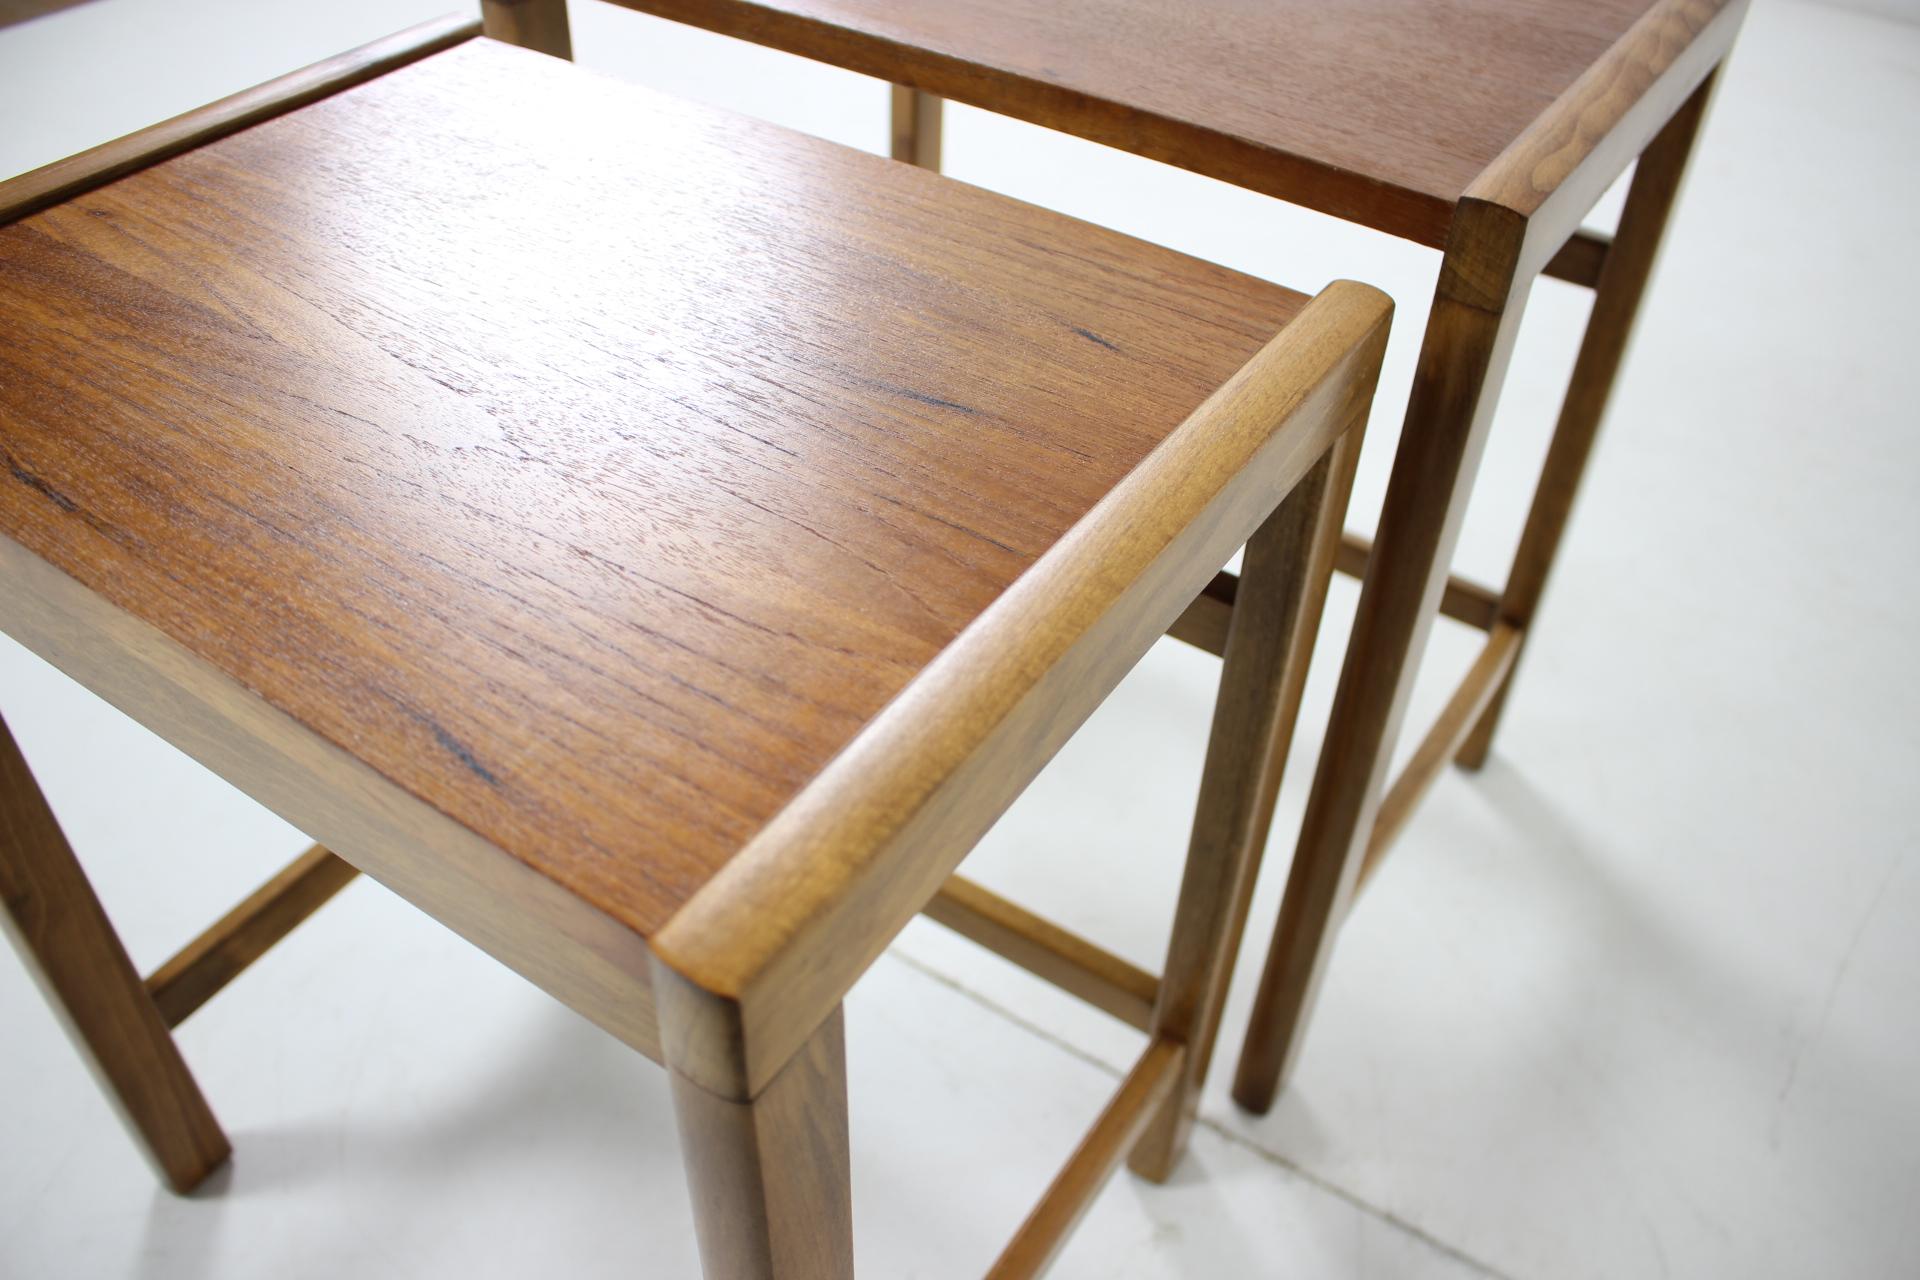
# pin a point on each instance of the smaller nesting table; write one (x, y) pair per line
(655, 544)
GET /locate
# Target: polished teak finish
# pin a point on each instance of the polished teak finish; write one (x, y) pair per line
(656, 544)
(1383, 113)
(81, 173)
(490, 422)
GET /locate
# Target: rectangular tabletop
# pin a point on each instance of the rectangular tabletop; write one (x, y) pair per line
(578, 466)
(1381, 112)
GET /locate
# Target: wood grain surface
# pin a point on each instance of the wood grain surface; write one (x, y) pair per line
(77, 174)
(587, 466)
(1382, 112)
(751, 964)
(1565, 160)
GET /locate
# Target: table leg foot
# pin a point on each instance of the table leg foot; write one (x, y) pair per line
(62, 932)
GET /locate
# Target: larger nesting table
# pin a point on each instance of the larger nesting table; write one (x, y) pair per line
(1485, 128)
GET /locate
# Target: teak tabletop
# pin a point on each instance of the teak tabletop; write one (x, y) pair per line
(596, 523)
(1382, 113)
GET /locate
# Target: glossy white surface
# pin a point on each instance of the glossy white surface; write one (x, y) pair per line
(1643, 998)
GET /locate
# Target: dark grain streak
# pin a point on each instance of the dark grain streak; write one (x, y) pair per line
(923, 398)
(38, 485)
(1091, 336)
(460, 752)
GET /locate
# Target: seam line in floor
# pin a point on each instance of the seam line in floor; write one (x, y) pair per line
(1213, 1126)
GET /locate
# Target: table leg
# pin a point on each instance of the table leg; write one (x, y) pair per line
(540, 25)
(1276, 615)
(916, 127)
(63, 934)
(769, 1175)
(1476, 312)
(1616, 304)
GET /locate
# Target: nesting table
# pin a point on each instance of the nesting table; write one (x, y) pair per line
(1484, 128)
(655, 544)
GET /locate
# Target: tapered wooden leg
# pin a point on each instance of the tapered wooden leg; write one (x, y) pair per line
(770, 1182)
(1476, 312)
(1616, 304)
(1276, 614)
(1617, 294)
(60, 930)
(540, 25)
(916, 127)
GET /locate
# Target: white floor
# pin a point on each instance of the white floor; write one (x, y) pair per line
(1641, 999)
